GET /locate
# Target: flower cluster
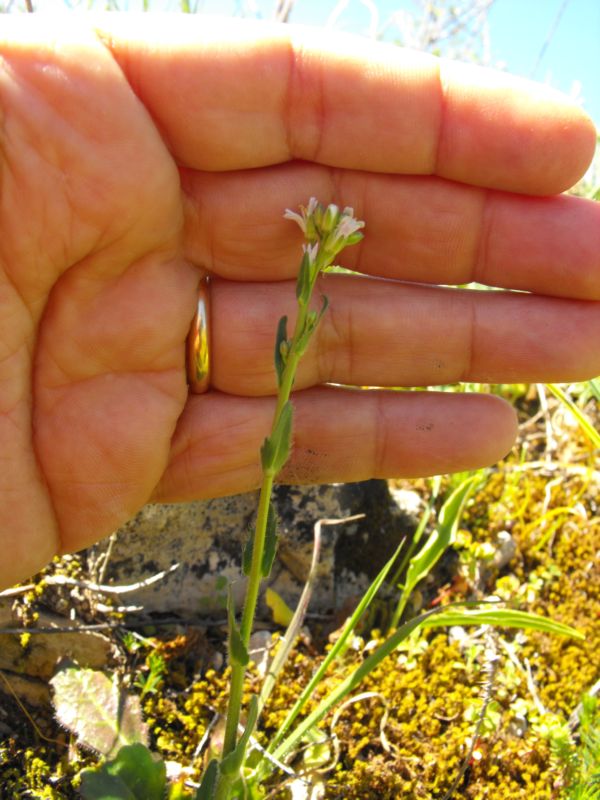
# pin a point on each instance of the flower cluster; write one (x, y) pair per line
(327, 230)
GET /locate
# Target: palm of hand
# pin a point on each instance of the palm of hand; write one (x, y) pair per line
(100, 227)
(91, 197)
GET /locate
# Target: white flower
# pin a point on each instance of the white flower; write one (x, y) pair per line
(311, 251)
(312, 206)
(348, 225)
(306, 214)
(289, 214)
(327, 226)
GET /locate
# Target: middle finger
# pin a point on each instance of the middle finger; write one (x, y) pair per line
(424, 229)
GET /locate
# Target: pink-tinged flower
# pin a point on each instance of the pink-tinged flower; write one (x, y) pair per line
(305, 217)
(311, 250)
(348, 225)
(300, 220)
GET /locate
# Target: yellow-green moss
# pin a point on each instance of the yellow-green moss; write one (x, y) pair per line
(410, 739)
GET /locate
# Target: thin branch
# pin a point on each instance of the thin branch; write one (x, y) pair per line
(550, 36)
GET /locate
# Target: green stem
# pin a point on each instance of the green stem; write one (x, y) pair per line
(238, 671)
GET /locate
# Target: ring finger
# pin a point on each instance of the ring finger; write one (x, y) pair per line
(389, 333)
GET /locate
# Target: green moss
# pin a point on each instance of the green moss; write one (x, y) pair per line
(411, 737)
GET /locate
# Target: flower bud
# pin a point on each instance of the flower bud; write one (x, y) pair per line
(330, 219)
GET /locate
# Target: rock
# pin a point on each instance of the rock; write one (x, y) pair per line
(206, 538)
(506, 548)
(32, 691)
(29, 666)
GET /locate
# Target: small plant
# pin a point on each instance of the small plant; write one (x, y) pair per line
(327, 231)
(150, 681)
(242, 770)
(580, 760)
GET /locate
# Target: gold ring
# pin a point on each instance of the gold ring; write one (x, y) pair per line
(198, 343)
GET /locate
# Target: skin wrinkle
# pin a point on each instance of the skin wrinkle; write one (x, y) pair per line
(182, 457)
(296, 96)
(330, 339)
(479, 260)
(195, 214)
(379, 437)
(440, 133)
(129, 74)
(427, 316)
(469, 347)
(34, 463)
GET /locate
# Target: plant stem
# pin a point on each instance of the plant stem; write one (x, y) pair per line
(327, 231)
(238, 671)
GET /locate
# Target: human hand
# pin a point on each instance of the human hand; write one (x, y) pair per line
(135, 150)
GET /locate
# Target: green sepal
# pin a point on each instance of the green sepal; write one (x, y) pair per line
(238, 652)
(304, 282)
(208, 787)
(276, 447)
(312, 232)
(281, 346)
(270, 542)
(232, 764)
(354, 238)
(329, 219)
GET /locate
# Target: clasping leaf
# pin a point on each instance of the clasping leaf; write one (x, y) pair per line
(276, 447)
(281, 349)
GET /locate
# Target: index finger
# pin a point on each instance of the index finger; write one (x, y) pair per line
(228, 94)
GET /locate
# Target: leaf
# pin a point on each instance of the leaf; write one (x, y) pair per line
(282, 613)
(208, 787)
(594, 385)
(177, 791)
(338, 649)
(312, 321)
(97, 784)
(304, 284)
(422, 563)
(134, 774)
(341, 689)
(270, 542)
(238, 652)
(276, 447)
(231, 764)
(93, 707)
(281, 342)
(503, 617)
(584, 422)
(318, 752)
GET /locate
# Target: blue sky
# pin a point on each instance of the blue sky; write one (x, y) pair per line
(518, 32)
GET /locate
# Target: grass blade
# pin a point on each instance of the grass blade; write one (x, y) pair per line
(501, 617)
(581, 418)
(441, 537)
(337, 650)
(436, 617)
